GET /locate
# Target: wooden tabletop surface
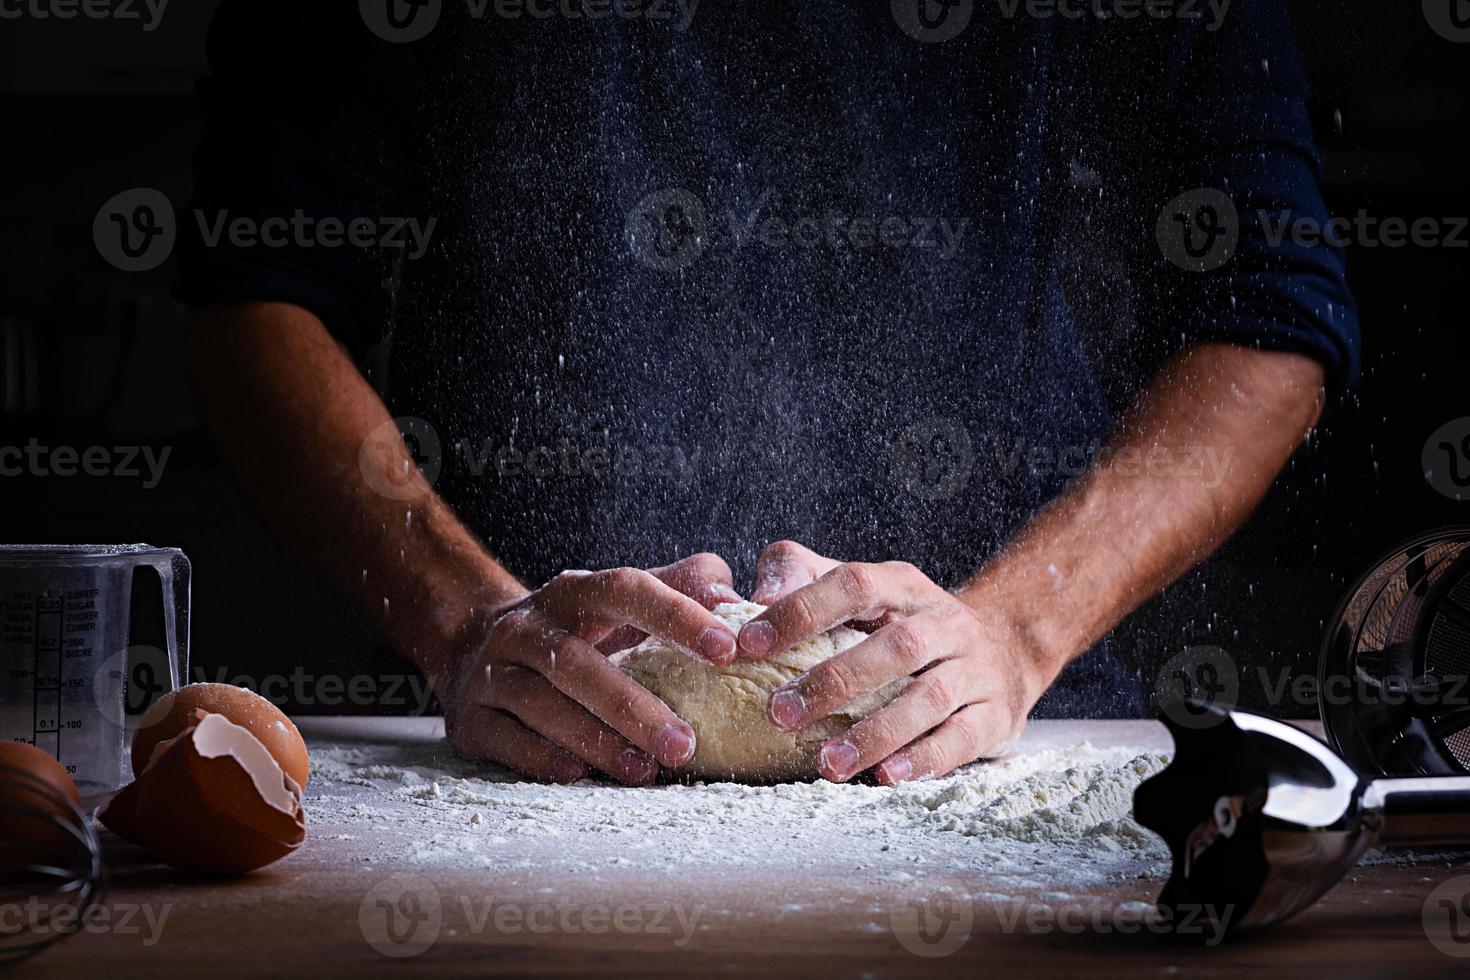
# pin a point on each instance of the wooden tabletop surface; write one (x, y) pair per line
(314, 915)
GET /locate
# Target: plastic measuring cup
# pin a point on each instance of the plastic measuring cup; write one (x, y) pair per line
(65, 679)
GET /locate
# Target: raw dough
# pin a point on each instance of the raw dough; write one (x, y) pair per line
(727, 705)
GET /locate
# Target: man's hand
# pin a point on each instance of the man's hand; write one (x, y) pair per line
(536, 693)
(977, 674)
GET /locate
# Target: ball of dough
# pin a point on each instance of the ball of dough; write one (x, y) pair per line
(726, 705)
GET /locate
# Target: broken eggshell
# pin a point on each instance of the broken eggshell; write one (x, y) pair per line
(181, 709)
(212, 800)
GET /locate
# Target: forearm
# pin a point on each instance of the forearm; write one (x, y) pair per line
(292, 417)
(1181, 472)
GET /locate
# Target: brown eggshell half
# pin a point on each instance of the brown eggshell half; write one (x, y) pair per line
(214, 800)
(178, 710)
(120, 813)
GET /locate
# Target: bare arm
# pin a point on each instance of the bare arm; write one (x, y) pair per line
(522, 678)
(1182, 470)
(292, 415)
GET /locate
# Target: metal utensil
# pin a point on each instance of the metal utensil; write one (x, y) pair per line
(1394, 673)
(1262, 818)
(47, 888)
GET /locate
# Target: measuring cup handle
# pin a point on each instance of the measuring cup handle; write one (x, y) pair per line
(174, 570)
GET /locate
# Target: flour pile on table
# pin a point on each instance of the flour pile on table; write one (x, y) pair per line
(1055, 817)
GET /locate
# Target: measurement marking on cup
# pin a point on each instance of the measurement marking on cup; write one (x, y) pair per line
(47, 606)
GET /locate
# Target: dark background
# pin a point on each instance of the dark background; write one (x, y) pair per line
(92, 357)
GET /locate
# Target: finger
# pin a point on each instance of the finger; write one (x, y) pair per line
(897, 650)
(853, 590)
(634, 597)
(706, 578)
(550, 713)
(578, 670)
(486, 735)
(969, 734)
(923, 706)
(784, 567)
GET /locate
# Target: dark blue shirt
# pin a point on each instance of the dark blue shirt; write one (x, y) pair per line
(789, 272)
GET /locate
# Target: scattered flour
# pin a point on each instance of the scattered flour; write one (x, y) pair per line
(1040, 821)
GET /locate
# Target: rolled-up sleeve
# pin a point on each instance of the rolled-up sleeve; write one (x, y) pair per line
(1235, 157)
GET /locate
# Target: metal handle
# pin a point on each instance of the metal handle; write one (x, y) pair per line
(1425, 811)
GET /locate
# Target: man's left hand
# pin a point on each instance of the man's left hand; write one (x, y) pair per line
(976, 671)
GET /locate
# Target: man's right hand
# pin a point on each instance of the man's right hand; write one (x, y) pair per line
(536, 694)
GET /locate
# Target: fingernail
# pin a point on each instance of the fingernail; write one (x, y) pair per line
(673, 745)
(758, 638)
(717, 646)
(897, 769)
(726, 594)
(635, 767)
(839, 758)
(788, 710)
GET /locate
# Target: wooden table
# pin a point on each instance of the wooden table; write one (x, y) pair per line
(304, 917)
